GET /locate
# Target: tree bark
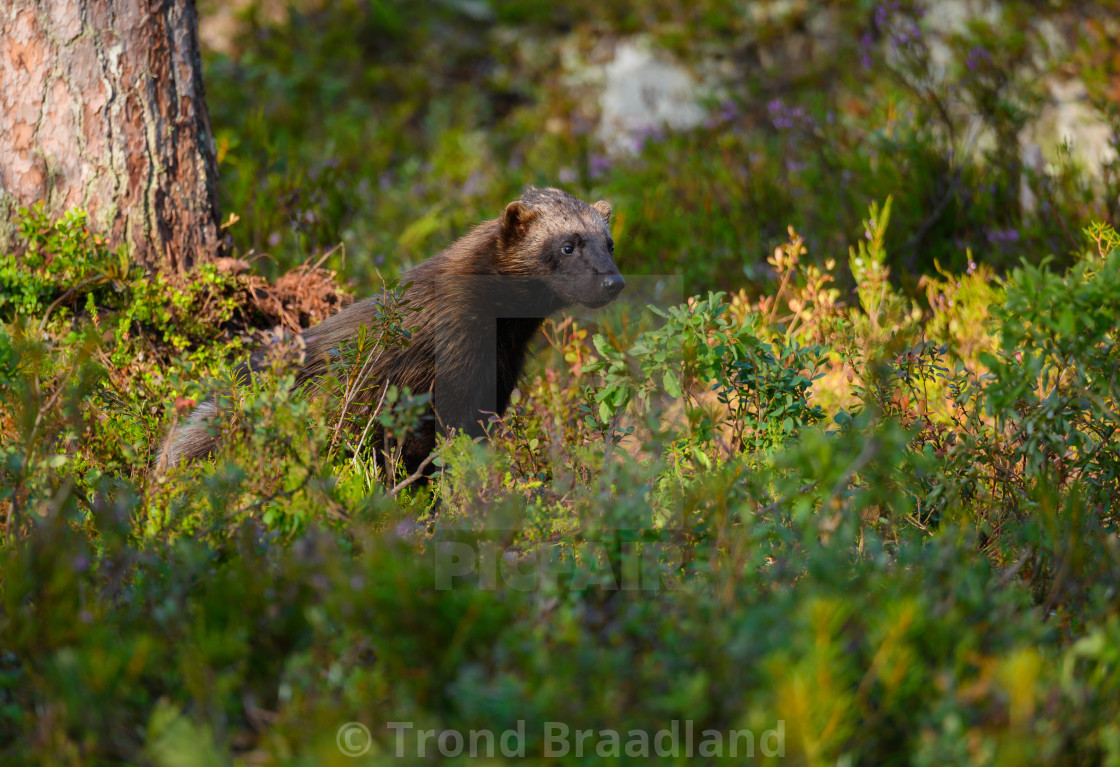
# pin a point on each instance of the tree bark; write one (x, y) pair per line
(102, 107)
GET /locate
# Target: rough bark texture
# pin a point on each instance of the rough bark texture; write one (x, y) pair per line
(102, 107)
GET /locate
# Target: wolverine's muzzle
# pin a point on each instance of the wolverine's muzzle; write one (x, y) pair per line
(612, 285)
(600, 291)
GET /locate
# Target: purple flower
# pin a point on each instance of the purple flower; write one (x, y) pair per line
(904, 31)
(977, 56)
(906, 36)
(654, 133)
(406, 529)
(784, 117)
(471, 184)
(884, 12)
(1003, 236)
(598, 165)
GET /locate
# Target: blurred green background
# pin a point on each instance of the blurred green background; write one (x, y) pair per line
(392, 126)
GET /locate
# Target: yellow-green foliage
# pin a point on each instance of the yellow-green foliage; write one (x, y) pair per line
(667, 525)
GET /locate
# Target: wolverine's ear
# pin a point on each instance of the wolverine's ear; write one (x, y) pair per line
(604, 209)
(516, 217)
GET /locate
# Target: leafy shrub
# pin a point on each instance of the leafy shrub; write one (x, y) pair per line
(671, 523)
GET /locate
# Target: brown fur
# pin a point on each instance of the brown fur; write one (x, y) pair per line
(483, 299)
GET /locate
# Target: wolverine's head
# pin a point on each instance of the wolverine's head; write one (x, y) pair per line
(564, 242)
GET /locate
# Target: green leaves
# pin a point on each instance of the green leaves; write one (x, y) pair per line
(1056, 387)
(672, 385)
(55, 261)
(908, 566)
(763, 387)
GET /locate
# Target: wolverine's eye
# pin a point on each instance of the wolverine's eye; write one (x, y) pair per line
(568, 249)
(610, 246)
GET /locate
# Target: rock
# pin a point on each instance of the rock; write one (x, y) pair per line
(644, 92)
(1070, 118)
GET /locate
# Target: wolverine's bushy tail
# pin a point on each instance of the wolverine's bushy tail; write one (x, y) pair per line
(192, 439)
(196, 437)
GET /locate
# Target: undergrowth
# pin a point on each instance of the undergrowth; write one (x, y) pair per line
(883, 529)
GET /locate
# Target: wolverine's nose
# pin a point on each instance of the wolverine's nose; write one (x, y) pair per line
(613, 285)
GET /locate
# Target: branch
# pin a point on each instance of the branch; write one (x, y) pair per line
(415, 475)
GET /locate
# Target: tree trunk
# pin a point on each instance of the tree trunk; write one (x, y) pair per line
(102, 107)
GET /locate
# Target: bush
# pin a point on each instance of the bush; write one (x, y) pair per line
(670, 525)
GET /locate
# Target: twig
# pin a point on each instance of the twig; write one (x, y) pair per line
(369, 422)
(352, 389)
(261, 502)
(610, 442)
(865, 456)
(1015, 568)
(785, 499)
(67, 294)
(1057, 216)
(328, 253)
(414, 476)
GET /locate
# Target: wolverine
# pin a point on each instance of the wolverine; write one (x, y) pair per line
(481, 302)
